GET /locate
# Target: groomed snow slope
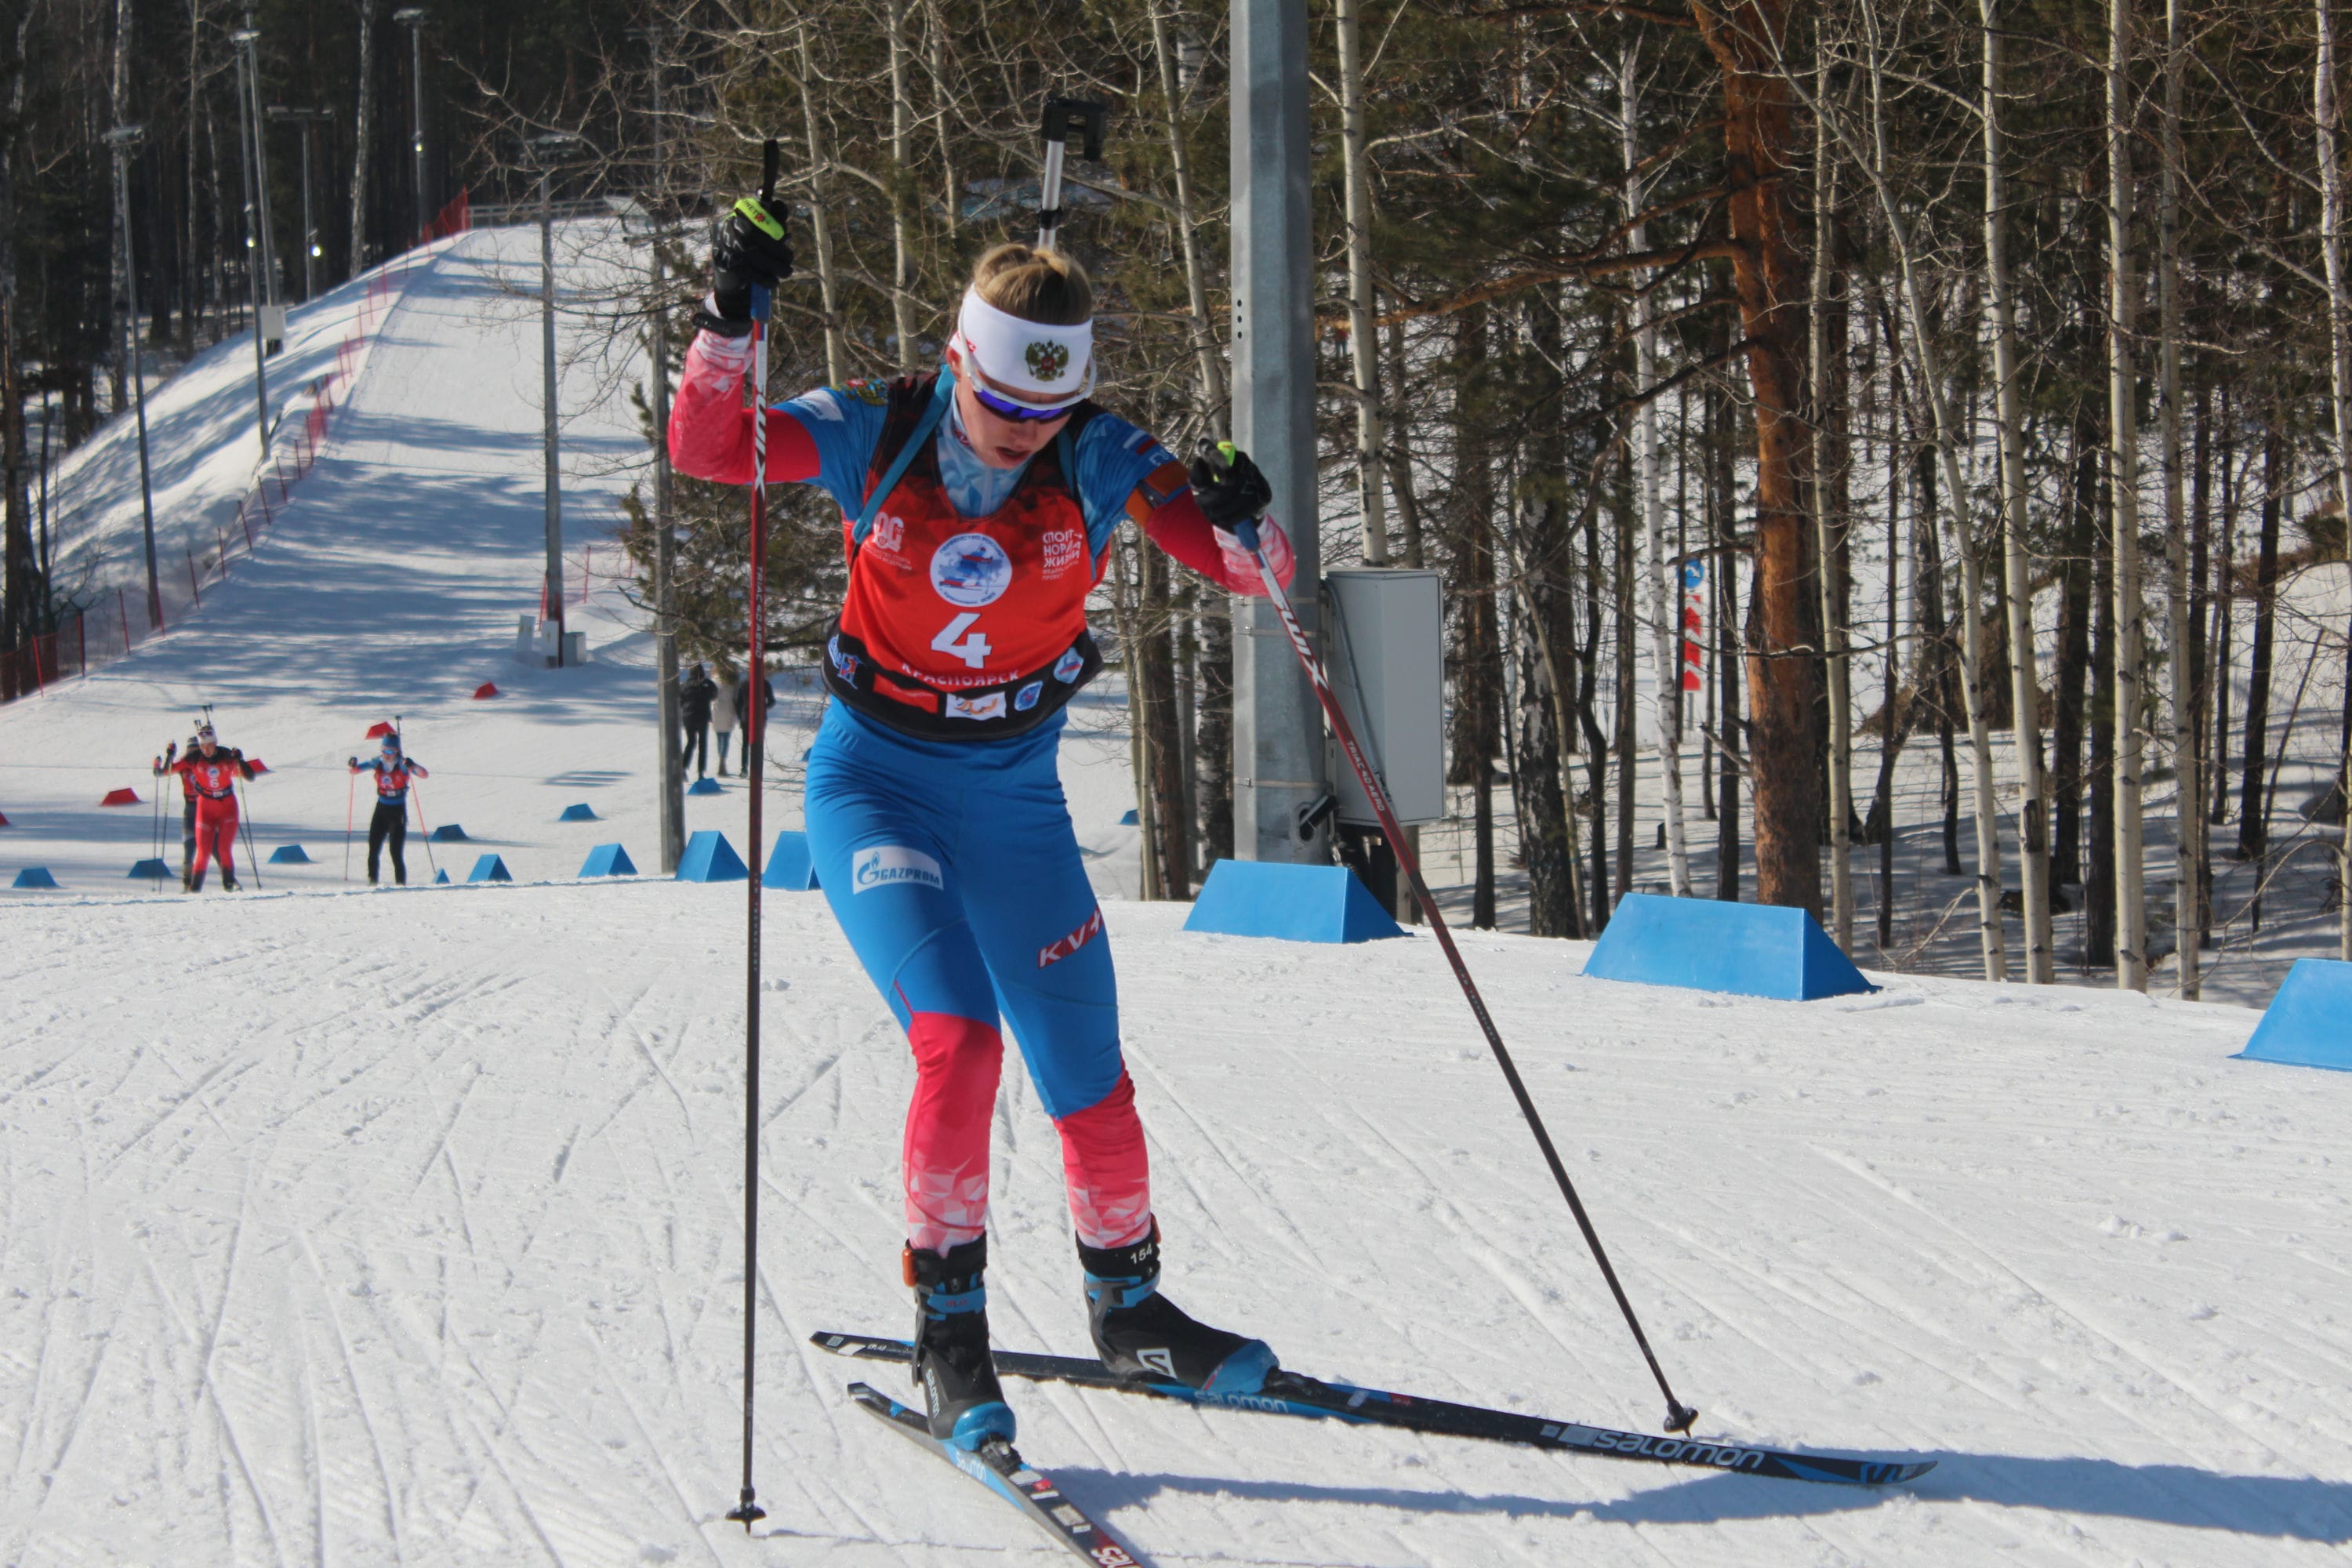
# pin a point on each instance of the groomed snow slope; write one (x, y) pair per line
(402, 1227)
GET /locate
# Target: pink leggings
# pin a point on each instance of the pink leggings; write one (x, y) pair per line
(946, 1154)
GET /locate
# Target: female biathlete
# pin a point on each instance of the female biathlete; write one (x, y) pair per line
(978, 506)
(214, 771)
(393, 774)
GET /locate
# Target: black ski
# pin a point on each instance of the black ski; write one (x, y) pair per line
(1289, 1394)
(999, 1468)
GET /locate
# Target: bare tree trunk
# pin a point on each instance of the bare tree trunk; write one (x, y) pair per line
(1666, 639)
(2253, 825)
(2024, 682)
(1363, 352)
(1930, 381)
(24, 604)
(902, 260)
(1746, 38)
(828, 276)
(936, 60)
(2339, 334)
(2189, 794)
(2123, 301)
(1206, 355)
(1828, 529)
(363, 133)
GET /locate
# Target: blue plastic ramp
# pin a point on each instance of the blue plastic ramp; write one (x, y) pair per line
(1295, 903)
(2309, 1023)
(447, 833)
(790, 866)
(704, 786)
(288, 855)
(708, 857)
(1700, 944)
(608, 860)
(34, 877)
(489, 868)
(152, 868)
(578, 812)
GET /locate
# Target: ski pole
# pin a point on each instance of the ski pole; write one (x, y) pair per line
(170, 749)
(424, 834)
(351, 796)
(1679, 1415)
(746, 1511)
(244, 820)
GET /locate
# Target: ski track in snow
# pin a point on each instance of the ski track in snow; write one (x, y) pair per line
(402, 1227)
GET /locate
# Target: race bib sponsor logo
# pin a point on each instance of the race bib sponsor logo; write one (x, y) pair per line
(1055, 952)
(989, 707)
(891, 866)
(970, 570)
(1026, 698)
(1065, 548)
(889, 534)
(1066, 668)
(843, 664)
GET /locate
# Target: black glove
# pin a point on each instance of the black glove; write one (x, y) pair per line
(236, 752)
(354, 761)
(1227, 484)
(752, 249)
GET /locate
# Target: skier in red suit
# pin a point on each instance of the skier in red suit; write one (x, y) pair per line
(979, 505)
(212, 770)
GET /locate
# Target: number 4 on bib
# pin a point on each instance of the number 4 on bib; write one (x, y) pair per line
(973, 649)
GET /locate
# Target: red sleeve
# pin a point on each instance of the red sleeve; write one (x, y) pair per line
(710, 429)
(185, 765)
(1177, 526)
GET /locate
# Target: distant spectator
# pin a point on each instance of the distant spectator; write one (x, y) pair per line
(753, 734)
(392, 771)
(723, 716)
(695, 691)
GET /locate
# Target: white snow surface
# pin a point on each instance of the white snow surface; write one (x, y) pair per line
(405, 1228)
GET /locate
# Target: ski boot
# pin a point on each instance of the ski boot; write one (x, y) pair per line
(230, 884)
(953, 1365)
(1143, 1336)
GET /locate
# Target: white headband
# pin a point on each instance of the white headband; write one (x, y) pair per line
(1027, 357)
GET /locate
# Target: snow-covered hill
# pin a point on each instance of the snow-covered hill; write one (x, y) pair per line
(402, 1228)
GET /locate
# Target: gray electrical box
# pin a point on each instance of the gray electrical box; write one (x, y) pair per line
(1384, 645)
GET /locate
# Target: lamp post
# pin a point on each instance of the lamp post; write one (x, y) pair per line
(543, 152)
(311, 250)
(245, 39)
(413, 18)
(121, 140)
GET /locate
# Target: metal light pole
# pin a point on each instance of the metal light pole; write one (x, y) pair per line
(543, 150)
(1280, 786)
(673, 759)
(250, 110)
(413, 18)
(121, 139)
(311, 250)
(244, 39)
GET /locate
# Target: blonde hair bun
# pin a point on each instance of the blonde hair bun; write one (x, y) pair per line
(1041, 286)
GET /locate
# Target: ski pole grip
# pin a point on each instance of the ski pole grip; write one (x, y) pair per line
(1246, 531)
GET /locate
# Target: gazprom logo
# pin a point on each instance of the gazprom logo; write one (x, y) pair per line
(892, 865)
